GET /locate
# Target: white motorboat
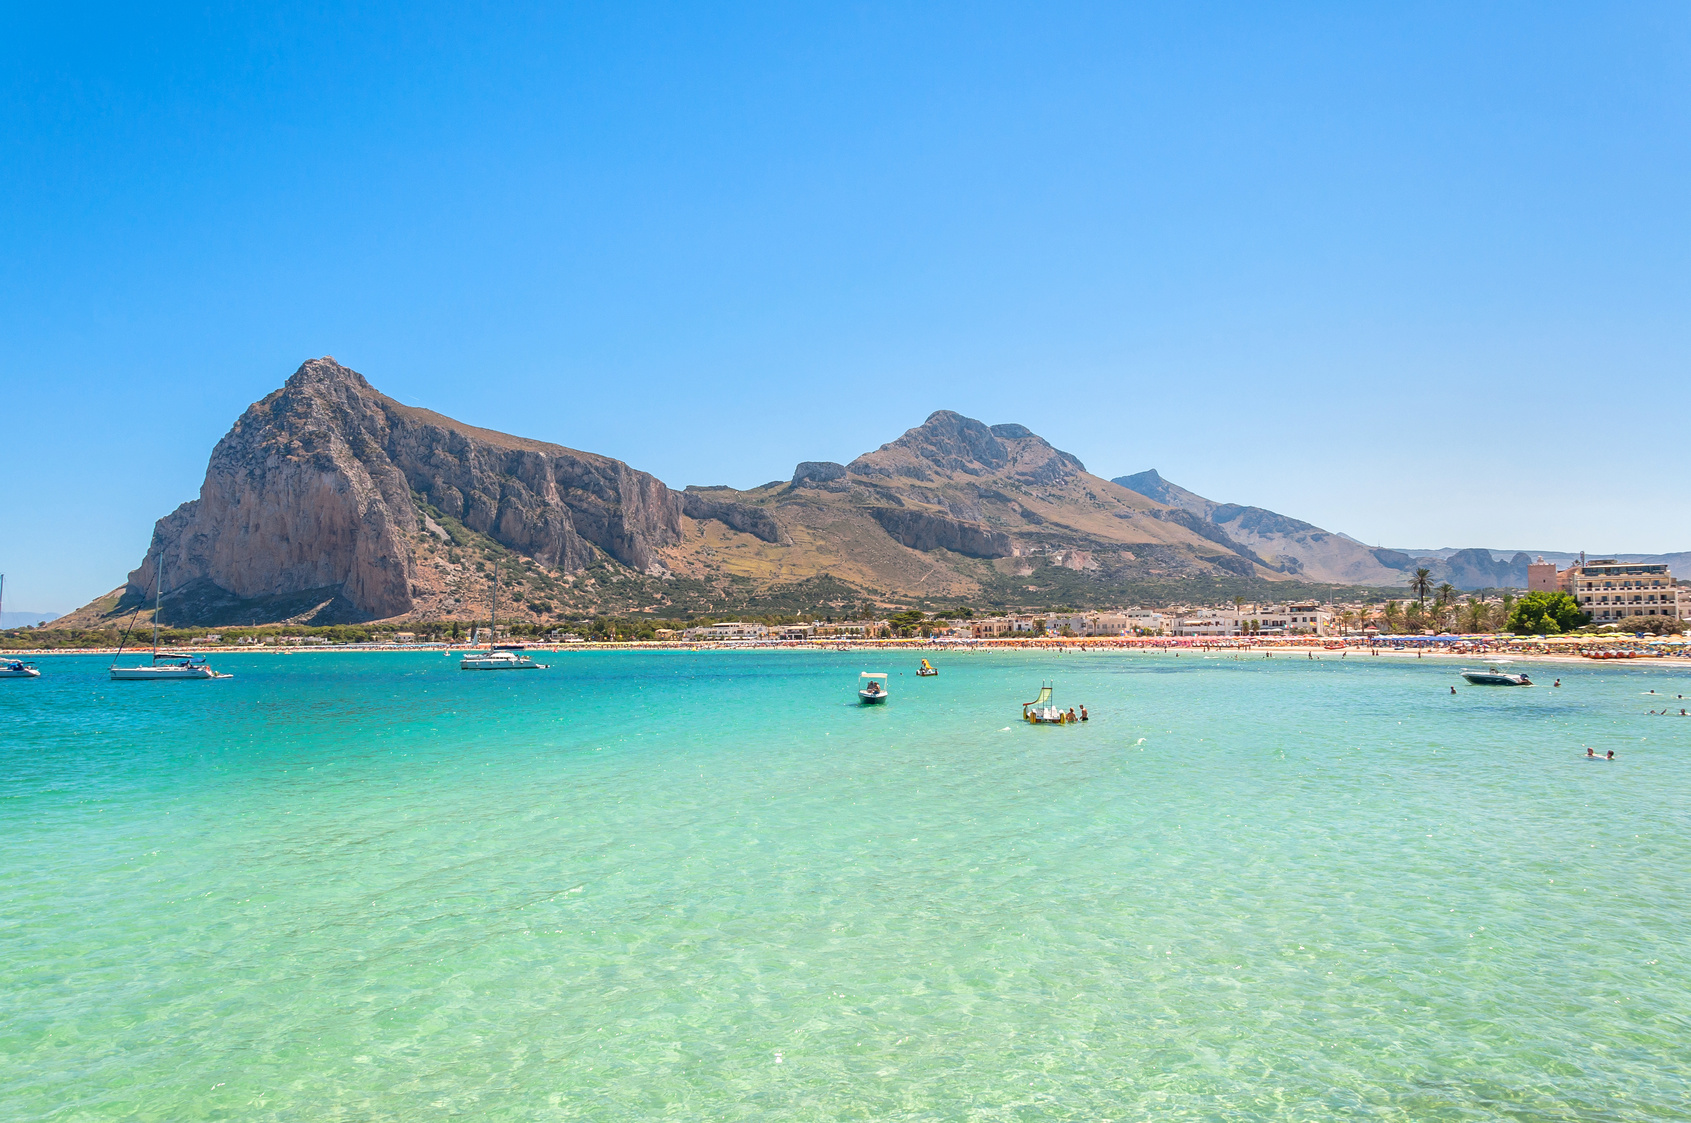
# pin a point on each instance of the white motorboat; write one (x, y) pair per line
(1495, 677)
(13, 668)
(162, 668)
(875, 691)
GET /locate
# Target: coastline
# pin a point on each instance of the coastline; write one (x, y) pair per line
(1407, 647)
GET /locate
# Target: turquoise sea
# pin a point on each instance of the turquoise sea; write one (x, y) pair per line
(708, 886)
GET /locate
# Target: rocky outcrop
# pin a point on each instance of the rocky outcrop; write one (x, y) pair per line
(817, 472)
(921, 530)
(313, 492)
(742, 517)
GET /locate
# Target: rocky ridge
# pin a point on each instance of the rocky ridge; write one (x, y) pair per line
(330, 502)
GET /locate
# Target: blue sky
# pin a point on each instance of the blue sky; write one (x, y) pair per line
(1417, 273)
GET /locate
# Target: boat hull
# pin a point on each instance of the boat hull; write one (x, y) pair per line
(27, 672)
(1494, 678)
(871, 699)
(159, 674)
(501, 665)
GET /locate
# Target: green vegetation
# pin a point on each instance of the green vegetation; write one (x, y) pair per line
(1651, 625)
(1546, 614)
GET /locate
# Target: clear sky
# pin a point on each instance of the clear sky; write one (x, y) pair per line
(1418, 273)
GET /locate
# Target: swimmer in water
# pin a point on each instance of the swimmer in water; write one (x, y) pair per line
(1453, 690)
(1590, 752)
(1611, 755)
(1558, 682)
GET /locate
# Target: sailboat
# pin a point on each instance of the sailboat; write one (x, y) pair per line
(162, 666)
(498, 656)
(13, 668)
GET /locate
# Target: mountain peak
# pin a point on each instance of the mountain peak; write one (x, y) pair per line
(1146, 483)
(326, 372)
(948, 443)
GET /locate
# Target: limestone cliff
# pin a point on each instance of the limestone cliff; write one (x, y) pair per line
(318, 489)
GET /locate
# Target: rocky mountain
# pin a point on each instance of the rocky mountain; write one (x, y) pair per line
(953, 508)
(331, 502)
(326, 503)
(1296, 547)
(1286, 544)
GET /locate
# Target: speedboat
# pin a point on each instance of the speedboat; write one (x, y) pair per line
(926, 669)
(875, 691)
(1495, 677)
(500, 659)
(14, 669)
(168, 667)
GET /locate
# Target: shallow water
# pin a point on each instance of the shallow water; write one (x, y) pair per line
(708, 886)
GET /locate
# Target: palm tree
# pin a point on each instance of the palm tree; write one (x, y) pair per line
(1447, 594)
(1393, 614)
(1421, 584)
(1476, 615)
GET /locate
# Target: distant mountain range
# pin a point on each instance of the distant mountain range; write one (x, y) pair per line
(24, 619)
(329, 502)
(1293, 546)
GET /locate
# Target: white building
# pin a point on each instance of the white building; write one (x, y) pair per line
(1145, 620)
(1205, 622)
(731, 629)
(1611, 590)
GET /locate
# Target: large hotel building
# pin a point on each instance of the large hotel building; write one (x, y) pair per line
(1611, 590)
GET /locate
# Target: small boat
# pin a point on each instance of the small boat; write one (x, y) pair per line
(502, 658)
(12, 668)
(498, 656)
(1041, 712)
(163, 667)
(1495, 677)
(926, 669)
(167, 667)
(875, 691)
